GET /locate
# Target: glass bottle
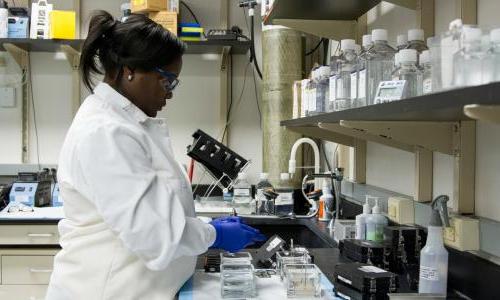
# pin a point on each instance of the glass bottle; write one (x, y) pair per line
(284, 202)
(402, 42)
(380, 62)
(334, 71)
(348, 64)
(397, 66)
(323, 87)
(467, 62)
(362, 82)
(410, 72)
(314, 109)
(305, 98)
(264, 206)
(242, 195)
(491, 63)
(426, 67)
(416, 40)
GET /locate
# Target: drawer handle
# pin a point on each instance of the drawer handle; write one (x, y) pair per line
(40, 235)
(33, 270)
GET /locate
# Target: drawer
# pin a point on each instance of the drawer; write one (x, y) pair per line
(29, 235)
(26, 269)
(23, 292)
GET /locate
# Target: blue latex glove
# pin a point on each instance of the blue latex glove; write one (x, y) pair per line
(227, 219)
(234, 236)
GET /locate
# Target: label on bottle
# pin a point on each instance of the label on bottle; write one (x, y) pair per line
(354, 86)
(427, 86)
(241, 192)
(362, 84)
(371, 269)
(429, 273)
(284, 199)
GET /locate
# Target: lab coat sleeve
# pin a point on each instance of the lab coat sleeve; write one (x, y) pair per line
(139, 203)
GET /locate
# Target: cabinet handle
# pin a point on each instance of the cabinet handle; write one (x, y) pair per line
(33, 270)
(40, 235)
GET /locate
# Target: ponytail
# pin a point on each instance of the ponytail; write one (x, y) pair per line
(138, 43)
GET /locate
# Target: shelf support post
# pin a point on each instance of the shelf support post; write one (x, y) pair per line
(73, 57)
(423, 175)
(426, 16)
(359, 175)
(465, 167)
(21, 56)
(224, 76)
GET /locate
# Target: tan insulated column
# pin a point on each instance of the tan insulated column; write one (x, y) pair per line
(282, 65)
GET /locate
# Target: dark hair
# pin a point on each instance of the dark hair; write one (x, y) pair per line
(138, 43)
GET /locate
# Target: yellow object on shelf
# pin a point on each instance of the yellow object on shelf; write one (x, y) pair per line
(190, 39)
(62, 24)
(144, 6)
(463, 233)
(167, 19)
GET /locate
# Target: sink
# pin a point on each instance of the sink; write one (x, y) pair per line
(289, 229)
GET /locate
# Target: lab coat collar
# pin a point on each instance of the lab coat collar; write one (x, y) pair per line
(110, 95)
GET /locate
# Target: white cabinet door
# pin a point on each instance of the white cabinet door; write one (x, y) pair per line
(26, 269)
(29, 235)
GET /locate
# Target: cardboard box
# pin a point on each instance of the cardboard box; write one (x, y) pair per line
(145, 6)
(167, 19)
(62, 24)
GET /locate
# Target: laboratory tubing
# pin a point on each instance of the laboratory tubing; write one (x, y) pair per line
(264, 206)
(242, 195)
(380, 62)
(284, 202)
(402, 42)
(468, 61)
(416, 40)
(375, 224)
(426, 67)
(410, 73)
(362, 82)
(348, 65)
(491, 64)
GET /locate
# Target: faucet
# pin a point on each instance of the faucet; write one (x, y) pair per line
(292, 163)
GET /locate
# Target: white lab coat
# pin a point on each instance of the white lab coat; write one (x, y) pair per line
(130, 230)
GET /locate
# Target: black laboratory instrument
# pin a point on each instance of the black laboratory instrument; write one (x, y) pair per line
(365, 252)
(367, 279)
(232, 34)
(221, 162)
(32, 189)
(268, 250)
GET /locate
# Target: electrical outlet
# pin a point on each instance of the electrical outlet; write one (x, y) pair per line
(463, 233)
(401, 210)
(7, 97)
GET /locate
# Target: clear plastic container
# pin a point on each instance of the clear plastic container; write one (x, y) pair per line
(426, 67)
(397, 66)
(235, 258)
(305, 97)
(491, 63)
(348, 65)
(322, 88)
(315, 107)
(443, 51)
(362, 82)
(290, 257)
(237, 281)
(380, 62)
(302, 280)
(402, 42)
(284, 202)
(264, 206)
(334, 72)
(242, 195)
(410, 72)
(468, 61)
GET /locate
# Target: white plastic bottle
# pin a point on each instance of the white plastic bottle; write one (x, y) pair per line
(326, 202)
(375, 224)
(434, 257)
(361, 221)
(402, 42)
(426, 67)
(410, 73)
(348, 64)
(416, 40)
(467, 63)
(242, 195)
(380, 62)
(362, 82)
(284, 202)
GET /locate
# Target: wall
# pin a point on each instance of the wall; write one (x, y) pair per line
(195, 104)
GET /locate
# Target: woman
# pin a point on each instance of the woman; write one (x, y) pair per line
(130, 230)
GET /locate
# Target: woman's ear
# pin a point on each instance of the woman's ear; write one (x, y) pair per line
(128, 73)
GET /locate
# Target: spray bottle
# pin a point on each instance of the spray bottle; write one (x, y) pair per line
(361, 220)
(434, 257)
(375, 224)
(325, 203)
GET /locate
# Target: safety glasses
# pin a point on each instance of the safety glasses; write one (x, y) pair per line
(171, 79)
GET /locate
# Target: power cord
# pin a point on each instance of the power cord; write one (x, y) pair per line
(251, 12)
(316, 47)
(30, 83)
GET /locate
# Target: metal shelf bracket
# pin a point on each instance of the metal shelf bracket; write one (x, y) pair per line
(73, 57)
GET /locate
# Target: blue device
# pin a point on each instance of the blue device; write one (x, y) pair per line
(56, 196)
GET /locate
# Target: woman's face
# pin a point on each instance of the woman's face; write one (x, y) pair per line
(148, 90)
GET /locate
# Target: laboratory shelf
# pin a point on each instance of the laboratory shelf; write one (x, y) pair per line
(447, 106)
(201, 47)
